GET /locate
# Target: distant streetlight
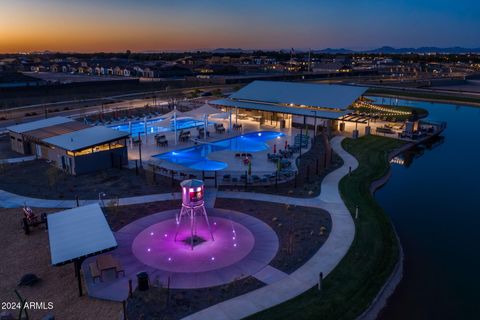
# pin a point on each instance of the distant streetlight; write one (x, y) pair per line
(101, 195)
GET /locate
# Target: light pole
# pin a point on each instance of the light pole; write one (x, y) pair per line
(100, 198)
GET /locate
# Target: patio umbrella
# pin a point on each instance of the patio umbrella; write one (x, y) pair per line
(286, 144)
(249, 168)
(278, 165)
(274, 148)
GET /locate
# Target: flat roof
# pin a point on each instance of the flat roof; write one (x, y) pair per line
(34, 125)
(62, 128)
(85, 138)
(309, 94)
(78, 233)
(328, 114)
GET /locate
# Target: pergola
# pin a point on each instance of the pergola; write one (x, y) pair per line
(78, 233)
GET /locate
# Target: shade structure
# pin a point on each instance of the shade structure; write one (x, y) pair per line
(78, 233)
(167, 119)
(201, 111)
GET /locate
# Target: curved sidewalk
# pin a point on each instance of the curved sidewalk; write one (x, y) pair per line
(324, 260)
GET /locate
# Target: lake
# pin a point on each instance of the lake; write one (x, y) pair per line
(434, 203)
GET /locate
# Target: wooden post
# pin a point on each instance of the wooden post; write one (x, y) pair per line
(78, 202)
(246, 179)
(130, 291)
(77, 264)
(140, 149)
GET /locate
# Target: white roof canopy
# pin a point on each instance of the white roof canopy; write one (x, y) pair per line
(298, 93)
(34, 125)
(85, 138)
(78, 233)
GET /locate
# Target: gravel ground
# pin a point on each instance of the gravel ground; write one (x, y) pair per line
(41, 180)
(23, 254)
(298, 228)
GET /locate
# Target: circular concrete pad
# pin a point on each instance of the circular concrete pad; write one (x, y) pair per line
(156, 247)
(257, 244)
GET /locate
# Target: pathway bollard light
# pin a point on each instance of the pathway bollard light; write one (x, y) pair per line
(320, 280)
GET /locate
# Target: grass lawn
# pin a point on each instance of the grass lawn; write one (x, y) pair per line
(350, 288)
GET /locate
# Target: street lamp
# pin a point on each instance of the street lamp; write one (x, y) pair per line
(100, 198)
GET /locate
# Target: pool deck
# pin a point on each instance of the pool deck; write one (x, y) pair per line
(260, 163)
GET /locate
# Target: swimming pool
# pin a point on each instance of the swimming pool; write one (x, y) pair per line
(139, 126)
(196, 157)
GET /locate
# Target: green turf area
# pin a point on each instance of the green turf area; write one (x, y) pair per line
(351, 287)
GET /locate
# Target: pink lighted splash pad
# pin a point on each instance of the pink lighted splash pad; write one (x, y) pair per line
(155, 246)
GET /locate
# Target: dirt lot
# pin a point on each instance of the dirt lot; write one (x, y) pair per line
(41, 180)
(23, 254)
(298, 228)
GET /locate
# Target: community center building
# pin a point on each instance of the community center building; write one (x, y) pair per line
(292, 103)
(71, 145)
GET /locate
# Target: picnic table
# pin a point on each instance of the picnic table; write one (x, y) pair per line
(106, 262)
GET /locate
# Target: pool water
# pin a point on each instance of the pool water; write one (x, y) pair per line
(196, 157)
(139, 126)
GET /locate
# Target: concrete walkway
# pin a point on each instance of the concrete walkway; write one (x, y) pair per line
(324, 260)
(281, 287)
(18, 159)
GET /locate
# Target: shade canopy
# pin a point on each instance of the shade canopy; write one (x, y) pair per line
(202, 111)
(78, 233)
(167, 118)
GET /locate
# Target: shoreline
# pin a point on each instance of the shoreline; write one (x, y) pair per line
(381, 299)
(407, 96)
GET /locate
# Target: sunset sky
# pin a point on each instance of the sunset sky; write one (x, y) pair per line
(145, 25)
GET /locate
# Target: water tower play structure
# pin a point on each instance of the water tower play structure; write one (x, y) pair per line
(193, 205)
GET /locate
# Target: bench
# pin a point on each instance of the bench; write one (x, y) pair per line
(95, 272)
